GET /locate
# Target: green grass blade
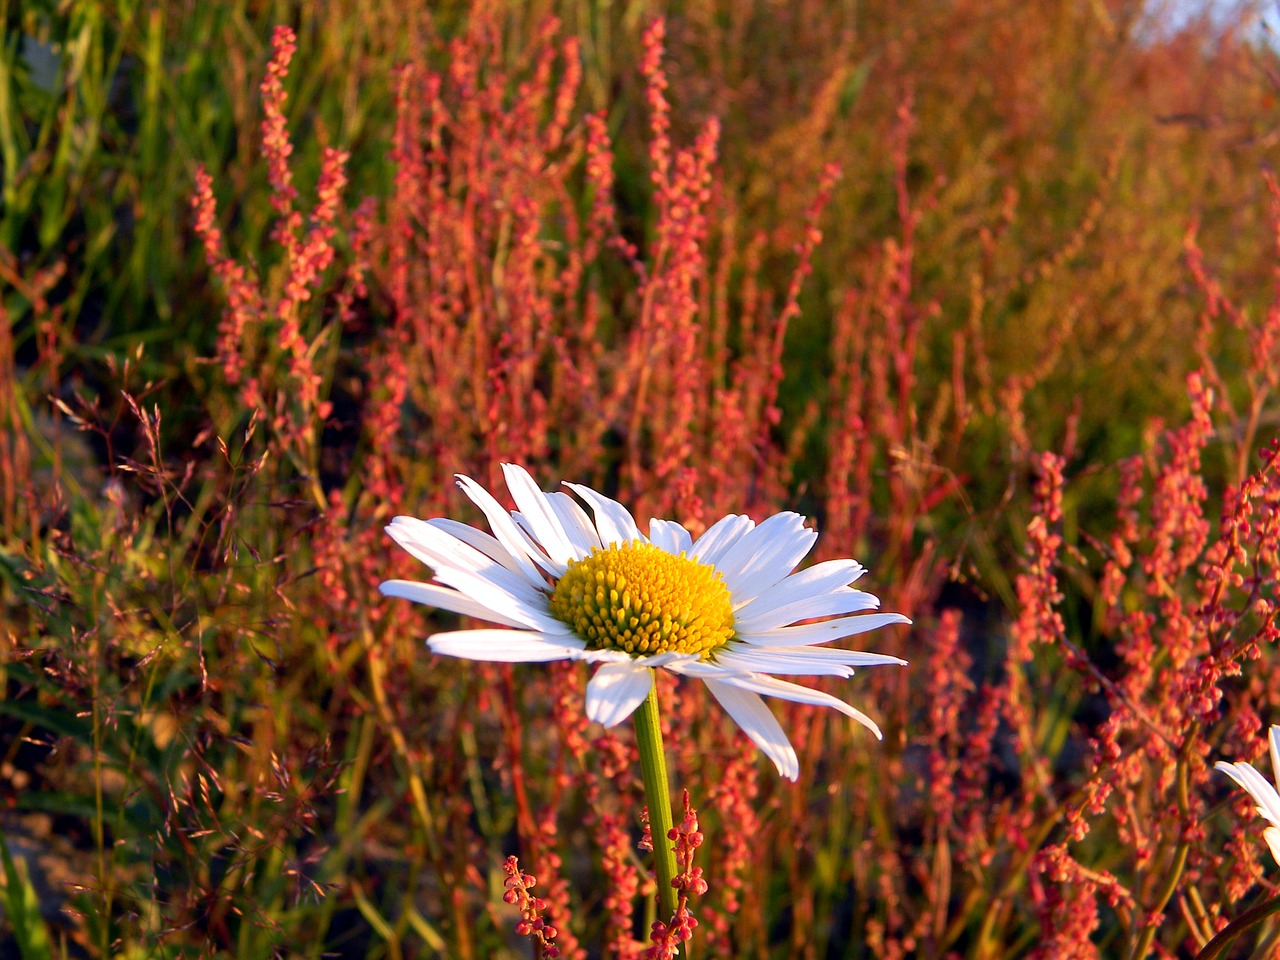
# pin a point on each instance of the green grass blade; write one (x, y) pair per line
(23, 908)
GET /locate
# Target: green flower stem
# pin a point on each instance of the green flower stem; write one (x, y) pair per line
(1241, 924)
(653, 767)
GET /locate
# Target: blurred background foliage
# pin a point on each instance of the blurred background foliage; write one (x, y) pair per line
(1058, 155)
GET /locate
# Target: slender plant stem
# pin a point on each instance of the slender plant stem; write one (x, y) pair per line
(1250, 918)
(653, 767)
(1180, 851)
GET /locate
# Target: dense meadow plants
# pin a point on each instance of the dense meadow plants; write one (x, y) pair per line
(1013, 357)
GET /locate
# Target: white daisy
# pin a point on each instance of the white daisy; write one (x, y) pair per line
(722, 608)
(1263, 793)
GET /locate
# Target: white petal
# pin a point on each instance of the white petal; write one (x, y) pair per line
(758, 723)
(531, 613)
(806, 661)
(720, 536)
(827, 630)
(525, 531)
(1262, 792)
(487, 544)
(747, 659)
(794, 692)
(577, 525)
(606, 656)
(813, 582)
(616, 690)
(503, 527)
(457, 565)
(1272, 836)
(765, 555)
(1273, 736)
(670, 536)
(699, 668)
(442, 551)
(505, 646)
(445, 598)
(1230, 770)
(836, 601)
(613, 520)
(539, 513)
(406, 532)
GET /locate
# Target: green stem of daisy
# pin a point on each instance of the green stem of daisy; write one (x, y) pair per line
(657, 792)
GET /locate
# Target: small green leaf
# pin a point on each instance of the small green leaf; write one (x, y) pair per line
(23, 907)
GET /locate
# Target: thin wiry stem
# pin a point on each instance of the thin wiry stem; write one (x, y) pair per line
(1246, 921)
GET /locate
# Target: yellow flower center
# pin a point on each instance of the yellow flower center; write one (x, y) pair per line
(640, 598)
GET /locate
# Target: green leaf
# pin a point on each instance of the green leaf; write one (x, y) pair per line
(23, 907)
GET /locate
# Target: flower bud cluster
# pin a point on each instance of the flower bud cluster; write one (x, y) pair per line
(667, 937)
(517, 886)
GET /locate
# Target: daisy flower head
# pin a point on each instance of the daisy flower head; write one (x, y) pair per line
(1262, 791)
(562, 584)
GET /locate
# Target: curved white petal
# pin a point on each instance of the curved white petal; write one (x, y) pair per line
(505, 646)
(1273, 738)
(606, 656)
(616, 690)
(765, 555)
(836, 601)
(1258, 787)
(747, 660)
(757, 722)
(720, 536)
(671, 659)
(486, 543)
(442, 551)
(670, 536)
(793, 691)
(1230, 770)
(577, 525)
(445, 598)
(811, 582)
(613, 520)
(699, 669)
(1272, 836)
(408, 533)
(554, 568)
(541, 516)
(802, 661)
(824, 632)
(503, 527)
(499, 594)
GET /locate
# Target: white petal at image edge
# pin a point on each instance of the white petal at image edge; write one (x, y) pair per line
(1272, 836)
(1256, 785)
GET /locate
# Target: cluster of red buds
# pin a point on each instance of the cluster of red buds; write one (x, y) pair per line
(531, 924)
(667, 937)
